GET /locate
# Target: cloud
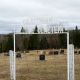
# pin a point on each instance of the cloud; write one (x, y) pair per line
(19, 11)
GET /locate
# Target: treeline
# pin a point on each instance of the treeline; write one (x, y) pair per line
(6, 43)
(39, 41)
(75, 37)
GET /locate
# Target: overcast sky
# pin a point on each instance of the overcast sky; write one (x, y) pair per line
(20, 12)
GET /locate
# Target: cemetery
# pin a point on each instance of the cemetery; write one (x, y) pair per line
(39, 39)
(29, 67)
(40, 64)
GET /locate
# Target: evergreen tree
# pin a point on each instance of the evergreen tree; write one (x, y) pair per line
(23, 30)
(76, 37)
(1, 47)
(23, 38)
(25, 43)
(34, 40)
(36, 29)
(63, 40)
(44, 43)
(10, 43)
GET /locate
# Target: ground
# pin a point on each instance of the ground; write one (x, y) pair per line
(29, 67)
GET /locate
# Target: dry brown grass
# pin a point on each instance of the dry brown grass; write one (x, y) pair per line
(30, 68)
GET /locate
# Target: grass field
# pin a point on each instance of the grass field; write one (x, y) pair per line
(29, 67)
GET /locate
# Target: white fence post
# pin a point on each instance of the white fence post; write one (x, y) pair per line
(14, 58)
(67, 55)
(71, 62)
(11, 64)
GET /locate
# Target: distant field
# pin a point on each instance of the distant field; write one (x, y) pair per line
(30, 68)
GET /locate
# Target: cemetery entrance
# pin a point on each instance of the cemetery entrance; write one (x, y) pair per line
(45, 59)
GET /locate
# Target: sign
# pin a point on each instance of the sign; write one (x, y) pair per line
(56, 28)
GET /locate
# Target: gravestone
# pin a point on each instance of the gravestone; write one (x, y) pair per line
(78, 52)
(42, 56)
(51, 52)
(18, 55)
(61, 51)
(55, 52)
(6, 54)
(75, 51)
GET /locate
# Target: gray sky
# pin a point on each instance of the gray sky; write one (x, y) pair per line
(21, 12)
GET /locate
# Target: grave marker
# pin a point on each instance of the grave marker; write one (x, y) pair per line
(42, 56)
